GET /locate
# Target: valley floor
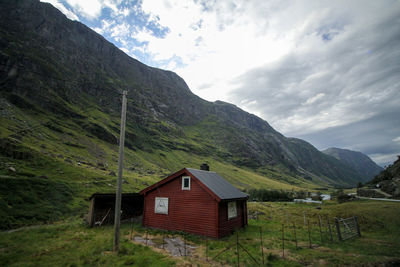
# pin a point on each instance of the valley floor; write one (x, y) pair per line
(72, 243)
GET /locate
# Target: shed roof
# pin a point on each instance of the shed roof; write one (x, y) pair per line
(112, 195)
(218, 185)
(220, 188)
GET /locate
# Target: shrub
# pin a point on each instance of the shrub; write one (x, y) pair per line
(344, 198)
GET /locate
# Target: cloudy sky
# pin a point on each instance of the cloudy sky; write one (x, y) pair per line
(324, 71)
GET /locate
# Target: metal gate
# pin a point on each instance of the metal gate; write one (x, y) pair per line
(347, 228)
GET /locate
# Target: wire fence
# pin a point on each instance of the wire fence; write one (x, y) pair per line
(266, 238)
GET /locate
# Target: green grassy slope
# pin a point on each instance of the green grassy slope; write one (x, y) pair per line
(49, 167)
(71, 243)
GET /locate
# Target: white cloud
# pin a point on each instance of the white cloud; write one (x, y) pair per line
(383, 159)
(71, 15)
(88, 8)
(125, 12)
(396, 140)
(330, 77)
(120, 30)
(125, 50)
(211, 44)
(106, 27)
(313, 99)
(112, 5)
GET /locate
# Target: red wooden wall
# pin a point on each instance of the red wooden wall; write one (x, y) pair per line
(227, 226)
(193, 211)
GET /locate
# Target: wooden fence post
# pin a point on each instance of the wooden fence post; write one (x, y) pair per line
(163, 240)
(206, 249)
(309, 233)
(357, 226)
(320, 230)
(295, 236)
(338, 229)
(237, 248)
(329, 226)
(283, 240)
(184, 244)
(262, 246)
(131, 228)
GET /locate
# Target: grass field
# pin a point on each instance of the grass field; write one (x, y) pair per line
(72, 243)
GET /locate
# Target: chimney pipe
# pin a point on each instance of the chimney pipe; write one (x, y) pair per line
(204, 167)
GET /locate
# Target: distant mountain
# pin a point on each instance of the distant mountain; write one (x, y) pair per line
(356, 160)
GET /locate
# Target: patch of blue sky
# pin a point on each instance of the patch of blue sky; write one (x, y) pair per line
(172, 63)
(135, 17)
(207, 5)
(120, 23)
(329, 32)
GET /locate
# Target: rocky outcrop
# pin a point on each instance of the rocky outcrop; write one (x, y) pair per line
(388, 181)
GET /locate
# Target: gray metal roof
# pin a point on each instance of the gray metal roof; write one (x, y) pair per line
(218, 185)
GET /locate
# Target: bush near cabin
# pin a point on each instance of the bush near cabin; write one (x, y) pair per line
(270, 195)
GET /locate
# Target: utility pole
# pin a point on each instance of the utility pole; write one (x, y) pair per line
(119, 181)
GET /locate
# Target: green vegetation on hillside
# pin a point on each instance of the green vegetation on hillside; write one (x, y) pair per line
(386, 183)
(50, 166)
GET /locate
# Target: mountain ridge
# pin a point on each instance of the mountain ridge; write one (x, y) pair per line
(158, 99)
(356, 160)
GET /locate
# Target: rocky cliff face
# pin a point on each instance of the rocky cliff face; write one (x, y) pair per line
(51, 65)
(388, 180)
(356, 160)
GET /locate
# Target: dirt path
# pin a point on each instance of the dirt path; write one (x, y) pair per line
(380, 199)
(31, 227)
(175, 246)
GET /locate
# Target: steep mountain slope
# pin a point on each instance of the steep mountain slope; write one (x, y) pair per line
(356, 160)
(60, 108)
(388, 180)
(315, 162)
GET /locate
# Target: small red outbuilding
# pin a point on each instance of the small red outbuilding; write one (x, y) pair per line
(195, 201)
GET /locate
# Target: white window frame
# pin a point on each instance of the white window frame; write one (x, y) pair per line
(161, 209)
(232, 210)
(183, 182)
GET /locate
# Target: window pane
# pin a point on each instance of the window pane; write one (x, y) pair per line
(186, 182)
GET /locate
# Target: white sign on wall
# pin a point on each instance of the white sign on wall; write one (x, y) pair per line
(232, 212)
(161, 205)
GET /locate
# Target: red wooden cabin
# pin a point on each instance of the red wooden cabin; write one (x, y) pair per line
(195, 201)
